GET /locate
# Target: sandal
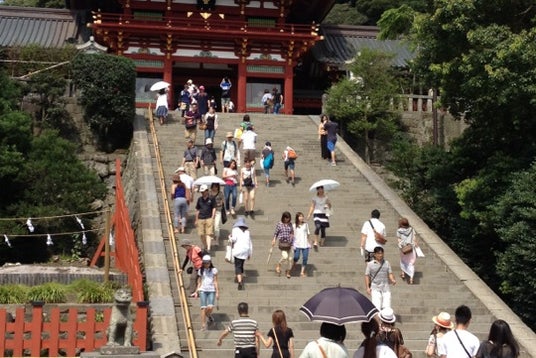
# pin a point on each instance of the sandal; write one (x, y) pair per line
(410, 281)
(303, 274)
(402, 276)
(288, 273)
(278, 269)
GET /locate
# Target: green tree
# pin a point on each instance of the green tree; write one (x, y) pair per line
(107, 96)
(515, 222)
(364, 103)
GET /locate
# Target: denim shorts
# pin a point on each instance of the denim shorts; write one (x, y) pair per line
(207, 298)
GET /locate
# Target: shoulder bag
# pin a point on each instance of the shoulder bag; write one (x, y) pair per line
(401, 350)
(277, 343)
(321, 350)
(407, 248)
(377, 236)
(229, 252)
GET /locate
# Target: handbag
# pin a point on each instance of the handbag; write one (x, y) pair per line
(406, 249)
(229, 252)
(401, 350)
(202, 126)
(223, 215)
(377, 236)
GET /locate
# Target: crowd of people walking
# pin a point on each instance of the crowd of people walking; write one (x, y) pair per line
(235, 159)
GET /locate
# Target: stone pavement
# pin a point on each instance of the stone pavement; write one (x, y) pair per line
(442, 281)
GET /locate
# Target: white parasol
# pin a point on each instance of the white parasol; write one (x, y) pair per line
(208, 180)
(159, 85)
(328, 184)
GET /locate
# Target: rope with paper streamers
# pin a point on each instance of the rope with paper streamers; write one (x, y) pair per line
(30, 225)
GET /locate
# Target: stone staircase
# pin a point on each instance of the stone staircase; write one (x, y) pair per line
(436, 288)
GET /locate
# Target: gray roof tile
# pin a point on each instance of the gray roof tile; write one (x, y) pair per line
(21, 26)
(342, 42)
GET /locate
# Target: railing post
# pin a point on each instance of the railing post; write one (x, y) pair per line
(36, 327)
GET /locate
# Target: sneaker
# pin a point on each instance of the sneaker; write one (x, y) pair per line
(232, 211)
(210, 319)
(252, 214)
(292, 182)
(333, 164)
(240, 286)
(246, 213)
(228, 212)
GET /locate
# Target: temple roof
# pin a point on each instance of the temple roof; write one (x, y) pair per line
(20, 26)
(342, 42)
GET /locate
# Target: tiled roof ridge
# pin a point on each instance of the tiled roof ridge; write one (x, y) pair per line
(35, 12)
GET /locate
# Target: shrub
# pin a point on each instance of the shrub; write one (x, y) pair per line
(88, 291)
(51, 292)
(13, 294)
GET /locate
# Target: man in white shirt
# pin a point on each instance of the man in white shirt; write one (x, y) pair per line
(368, 237)
(249, 138)
(459, 343)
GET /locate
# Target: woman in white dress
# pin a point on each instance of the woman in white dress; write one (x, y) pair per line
(406, 235)
(301, 241)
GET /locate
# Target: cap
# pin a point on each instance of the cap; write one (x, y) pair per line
(206, 258)
(190, 81)
(186, 242)
(229, 135)
(387, 315)
(443, 320)
(203, 188)
(180, 169)
(208, 141)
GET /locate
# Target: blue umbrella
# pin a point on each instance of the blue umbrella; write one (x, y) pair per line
(339, 305)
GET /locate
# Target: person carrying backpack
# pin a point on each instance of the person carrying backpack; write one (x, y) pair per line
(267, 160)
(289, 157)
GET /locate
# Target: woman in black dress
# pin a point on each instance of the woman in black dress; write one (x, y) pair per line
(323, 135)
(280, 336)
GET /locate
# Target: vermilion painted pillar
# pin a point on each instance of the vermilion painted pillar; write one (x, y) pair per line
(241, 87)
(288, 90)
(168, 77)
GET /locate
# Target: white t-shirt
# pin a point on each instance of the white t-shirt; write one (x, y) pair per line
(207, 279)
(331, 348)
(248, 139)
(382, 351)
(162, 100)
(301, 235)
(371, 242)
(187, 180)
(451, 347)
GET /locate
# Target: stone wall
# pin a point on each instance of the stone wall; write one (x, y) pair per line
(420, 126)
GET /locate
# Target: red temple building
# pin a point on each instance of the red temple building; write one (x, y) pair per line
(256, 44)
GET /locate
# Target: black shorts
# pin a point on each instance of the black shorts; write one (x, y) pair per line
(249, 352)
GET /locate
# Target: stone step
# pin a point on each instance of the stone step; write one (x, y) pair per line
(339, 262)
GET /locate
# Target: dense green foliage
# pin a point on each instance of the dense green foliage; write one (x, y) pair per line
(363, 104)
(107, 96)
(368, 12)
(479, 195)
(40, 175)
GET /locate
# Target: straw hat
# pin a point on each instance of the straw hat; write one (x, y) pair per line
(443, 320)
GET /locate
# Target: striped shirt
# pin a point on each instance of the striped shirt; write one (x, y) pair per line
(243, 330)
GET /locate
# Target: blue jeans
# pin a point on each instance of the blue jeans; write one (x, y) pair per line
(277, 107)
(304, 253)
(209, 133)
(228, 191)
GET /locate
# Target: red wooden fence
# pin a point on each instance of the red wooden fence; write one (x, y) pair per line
(37, 332)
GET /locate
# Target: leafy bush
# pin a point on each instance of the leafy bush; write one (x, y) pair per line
(13, 294)
(108, 96)
(51, 292)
